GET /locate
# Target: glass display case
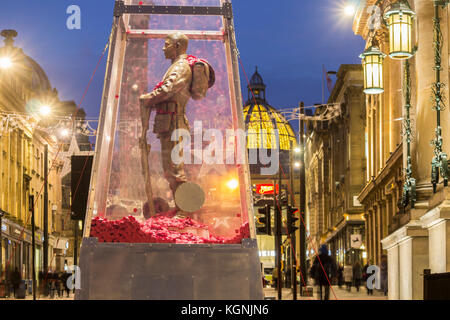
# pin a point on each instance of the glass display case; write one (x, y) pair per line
(213, 152)
(156, 228)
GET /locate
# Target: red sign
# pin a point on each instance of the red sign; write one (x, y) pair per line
(265, 189)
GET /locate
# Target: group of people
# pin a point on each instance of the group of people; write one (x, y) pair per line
(51, 284)
(354, 275)
(324, 270)
(54, 283)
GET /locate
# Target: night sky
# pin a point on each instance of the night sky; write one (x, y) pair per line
(288, 40)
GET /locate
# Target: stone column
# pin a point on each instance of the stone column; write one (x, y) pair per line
(374, 235)
(368, 234)
(407, 258)
(393, 272)
(378, 233)
(437, 221)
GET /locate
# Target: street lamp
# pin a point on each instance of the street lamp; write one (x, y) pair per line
(45, 110)
(64, 133)
(372, 60)
(399, 19)
(233, 184)
(5, 63)
(350, 10)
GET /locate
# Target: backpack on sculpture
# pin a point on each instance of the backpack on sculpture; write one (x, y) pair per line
(203, 77)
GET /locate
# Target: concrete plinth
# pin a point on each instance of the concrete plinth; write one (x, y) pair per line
(114, 271)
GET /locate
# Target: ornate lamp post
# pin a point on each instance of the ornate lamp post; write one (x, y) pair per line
(439, 164)
(409, 186)
(399, 19)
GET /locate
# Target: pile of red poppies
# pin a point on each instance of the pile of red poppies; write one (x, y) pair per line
(159, 229)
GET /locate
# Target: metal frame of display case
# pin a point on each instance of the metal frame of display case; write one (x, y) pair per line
(121, 264)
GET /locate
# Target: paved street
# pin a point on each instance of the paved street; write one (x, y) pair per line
(30, 297)
(339, 294)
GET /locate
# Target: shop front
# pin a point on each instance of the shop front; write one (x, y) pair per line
(347, 243)
(16, 246)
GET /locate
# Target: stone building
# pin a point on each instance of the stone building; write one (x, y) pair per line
(415, 237)
(335, 170)
(24, 87)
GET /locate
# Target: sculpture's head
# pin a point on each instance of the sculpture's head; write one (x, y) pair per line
(176, 44)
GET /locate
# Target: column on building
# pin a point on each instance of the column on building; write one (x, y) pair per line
(407, 258)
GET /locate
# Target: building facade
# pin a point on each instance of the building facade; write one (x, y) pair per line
(335, 171)
(417, 236)
(24, 143)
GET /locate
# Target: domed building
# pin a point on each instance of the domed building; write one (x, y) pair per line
(262, 121)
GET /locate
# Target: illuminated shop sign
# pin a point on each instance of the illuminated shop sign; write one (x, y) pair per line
(266, 188)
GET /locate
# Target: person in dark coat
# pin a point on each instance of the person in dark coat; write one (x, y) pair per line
(340, 276)
(323, 279)
(384, 274)
(357, 275)
(366, 277)
(66, 278)
(16, 279)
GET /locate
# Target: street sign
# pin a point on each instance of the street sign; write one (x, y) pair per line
(356, 241)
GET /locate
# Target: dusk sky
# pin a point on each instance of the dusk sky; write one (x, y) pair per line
(288, 40)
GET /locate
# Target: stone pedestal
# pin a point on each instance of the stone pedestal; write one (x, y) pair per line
(407, 258)
(145, 271)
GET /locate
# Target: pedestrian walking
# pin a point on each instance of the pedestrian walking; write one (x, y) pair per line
(66, 278)
(384, 274)
(52, 285)
(60, 284)
(275, 277)
(357, 275)
(16, 278)
(366, 276)
(340, 276)
(323, 271)
(348, 276)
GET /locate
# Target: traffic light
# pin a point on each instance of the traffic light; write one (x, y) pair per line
(291, 219)
(265, 220)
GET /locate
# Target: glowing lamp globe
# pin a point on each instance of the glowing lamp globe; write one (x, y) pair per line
(5, 63)
(45, 110)
(64, 132)
(372, 61)
(233, 184)
(350, 10)
(399, 18)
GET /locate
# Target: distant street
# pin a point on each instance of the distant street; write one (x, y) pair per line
(341, 294)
